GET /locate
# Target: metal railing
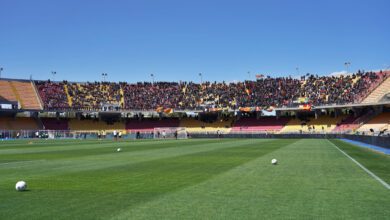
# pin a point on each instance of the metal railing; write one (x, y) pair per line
(69, 134)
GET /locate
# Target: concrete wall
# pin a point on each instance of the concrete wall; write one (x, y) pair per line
(383, 141)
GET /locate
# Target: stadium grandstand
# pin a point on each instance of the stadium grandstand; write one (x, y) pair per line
(346, 104)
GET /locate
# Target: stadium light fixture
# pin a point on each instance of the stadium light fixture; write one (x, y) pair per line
(152, 75)
(1, 70)
(54, 74)
(347, 64)
(249, 75)
(104, 75)
(201, 78)
(297, 69)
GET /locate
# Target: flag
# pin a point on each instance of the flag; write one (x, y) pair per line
(159, 109)
(259, 76)
(303, 100)
(185, 89)
(245, 109)
(270, 109)
(234, 102)
(306, 107)
(168, 110)
(247, 91)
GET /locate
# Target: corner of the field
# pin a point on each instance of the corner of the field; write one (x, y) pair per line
(374, 148)
(381, 181)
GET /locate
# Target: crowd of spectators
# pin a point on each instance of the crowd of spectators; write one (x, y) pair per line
(343, 89)
(90, 96)
(52, 94)
(150, 96)
(264, 92)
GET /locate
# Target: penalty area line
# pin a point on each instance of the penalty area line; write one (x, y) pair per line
(361, 166)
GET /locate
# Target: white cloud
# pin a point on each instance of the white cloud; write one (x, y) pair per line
(339, 73)
(343, 72)
(233, 81)
(296, 77)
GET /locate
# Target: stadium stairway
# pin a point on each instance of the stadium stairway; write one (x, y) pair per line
(378, 92)
(67, 95)
(37, 94)
(13, 87)
(122, 94)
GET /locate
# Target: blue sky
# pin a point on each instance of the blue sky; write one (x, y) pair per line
(176, 39)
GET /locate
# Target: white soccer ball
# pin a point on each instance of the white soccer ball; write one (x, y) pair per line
(274, 161)
(21, 186)
(119, 149)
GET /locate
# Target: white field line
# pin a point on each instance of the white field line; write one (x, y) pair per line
(361, 166)
(24, 161)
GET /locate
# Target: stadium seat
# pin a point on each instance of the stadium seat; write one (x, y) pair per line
(380, 91)
(22, 91)
(27, 95)
(377, 124)
(148, 125)
(93, 125)
(6, 91)
(193, 125)
(263, 124)
(19, 123)
(322, 124)
(349, 124)
(55, 124)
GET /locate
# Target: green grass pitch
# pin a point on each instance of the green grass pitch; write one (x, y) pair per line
(192, 179)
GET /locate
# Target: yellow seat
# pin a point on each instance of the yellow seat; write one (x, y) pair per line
(322, 124)
(193, 125)
(91, 125)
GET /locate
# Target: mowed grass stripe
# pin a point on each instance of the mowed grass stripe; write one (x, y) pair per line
(112, 159)
(27, 147)
(204, 200)
(77, 150)
(101, 193)
(207, 162)
(51, 142)
(312, 181)
(91, 160)
(31, 143)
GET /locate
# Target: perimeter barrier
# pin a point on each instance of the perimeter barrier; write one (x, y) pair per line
(381, 141)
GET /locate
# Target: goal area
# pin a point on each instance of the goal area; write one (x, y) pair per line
(170, 133)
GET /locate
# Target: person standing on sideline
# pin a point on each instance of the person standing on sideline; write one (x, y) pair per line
(115, 135)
